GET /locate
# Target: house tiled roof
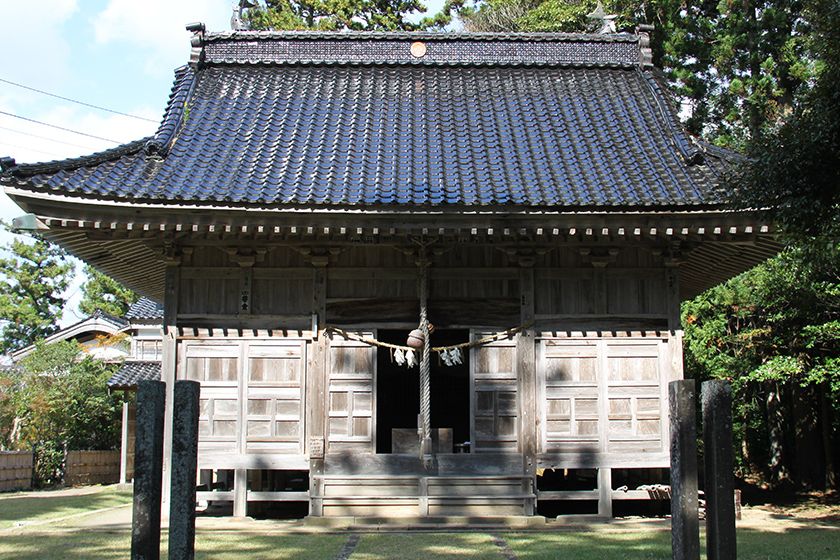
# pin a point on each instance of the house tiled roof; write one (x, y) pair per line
(356, 120)
(145, 309)
(131, 373)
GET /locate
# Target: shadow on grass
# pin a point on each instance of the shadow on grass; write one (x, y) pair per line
(82, 545)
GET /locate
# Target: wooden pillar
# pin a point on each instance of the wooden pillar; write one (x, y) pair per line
(169, 361)
(316, 389)
(124, 442)
(148, 466)
(718, 455)
(605, 492)
(675, 332)
(527, 370)
(240, 492)
(685, 524)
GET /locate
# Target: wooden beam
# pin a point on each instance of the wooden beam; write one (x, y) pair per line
(316, 389)
(527, 373)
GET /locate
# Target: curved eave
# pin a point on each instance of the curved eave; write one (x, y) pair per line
(127, 241)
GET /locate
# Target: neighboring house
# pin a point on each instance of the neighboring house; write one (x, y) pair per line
(144, 325)
(310, 198)
(100, 335)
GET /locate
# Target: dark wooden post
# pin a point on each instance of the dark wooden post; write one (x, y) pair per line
(685, 525)
(184, 467)
(148, 471)
(716, 398)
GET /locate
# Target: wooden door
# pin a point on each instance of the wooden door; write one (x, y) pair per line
(603, 396)
(274, 396)
(216, 365)
(351, 397)
(494, 406)
(569, 400)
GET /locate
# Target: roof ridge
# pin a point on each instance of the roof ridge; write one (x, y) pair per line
(28, 169)
(247, 35)
(173, 115)
(418, 49)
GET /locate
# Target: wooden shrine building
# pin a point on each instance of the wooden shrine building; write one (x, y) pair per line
(311, 198)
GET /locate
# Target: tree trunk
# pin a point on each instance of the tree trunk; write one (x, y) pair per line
(775, 426)
(827, 436)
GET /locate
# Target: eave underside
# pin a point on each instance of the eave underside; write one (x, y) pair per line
(707, 248)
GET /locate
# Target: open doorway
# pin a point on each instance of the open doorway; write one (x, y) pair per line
(398, 391)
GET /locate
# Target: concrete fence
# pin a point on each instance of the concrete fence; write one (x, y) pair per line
(91, 467)
(16, 470)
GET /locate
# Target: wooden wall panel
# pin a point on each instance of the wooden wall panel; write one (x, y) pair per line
(568, 377)
(565, 292)
(602, 396)
(351, 397)
(274, 409)
(281, 296)
(494, 424)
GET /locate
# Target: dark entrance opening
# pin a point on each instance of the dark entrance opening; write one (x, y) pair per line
(398, 390)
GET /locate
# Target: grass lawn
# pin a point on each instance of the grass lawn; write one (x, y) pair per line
(35, 507)
(767, 537)
(792, 544)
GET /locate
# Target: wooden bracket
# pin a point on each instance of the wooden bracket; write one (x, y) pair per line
(245, 256)
(598, 257)
(319, 257)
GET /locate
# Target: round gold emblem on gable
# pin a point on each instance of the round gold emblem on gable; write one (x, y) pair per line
(418, 49)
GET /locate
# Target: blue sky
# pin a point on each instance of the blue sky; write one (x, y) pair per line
(119, 54)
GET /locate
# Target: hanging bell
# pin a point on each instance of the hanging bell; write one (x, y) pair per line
(415, 339)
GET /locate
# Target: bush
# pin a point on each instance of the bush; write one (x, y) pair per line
(60, 401)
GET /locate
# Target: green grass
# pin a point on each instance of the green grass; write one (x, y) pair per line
(823, 544)
(425, 546)
(33, 507)
(791, 544)
(95, 545)
(42, 539)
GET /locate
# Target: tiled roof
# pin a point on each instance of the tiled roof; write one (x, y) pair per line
(350, 120)
(145, 309)
(131, 373)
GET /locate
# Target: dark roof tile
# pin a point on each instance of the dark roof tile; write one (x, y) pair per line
(594, 129)
(131, 373)
(145, 309)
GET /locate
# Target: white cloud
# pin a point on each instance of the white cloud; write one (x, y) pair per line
(32, 32)
(158, 25)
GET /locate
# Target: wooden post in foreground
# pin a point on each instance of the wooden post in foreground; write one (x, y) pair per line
(685, 524)
(716, 398)
(184, 466)
(124, 442)
(148, 471)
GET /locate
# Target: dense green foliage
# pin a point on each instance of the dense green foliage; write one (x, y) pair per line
(103, 292)
(737, 65)
(774, 332)
(57, 400)
(796, 170)
(358, 15)
(35, 273)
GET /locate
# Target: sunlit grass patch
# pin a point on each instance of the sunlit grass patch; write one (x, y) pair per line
(424, 546)
(594, 545)
(24, 509)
